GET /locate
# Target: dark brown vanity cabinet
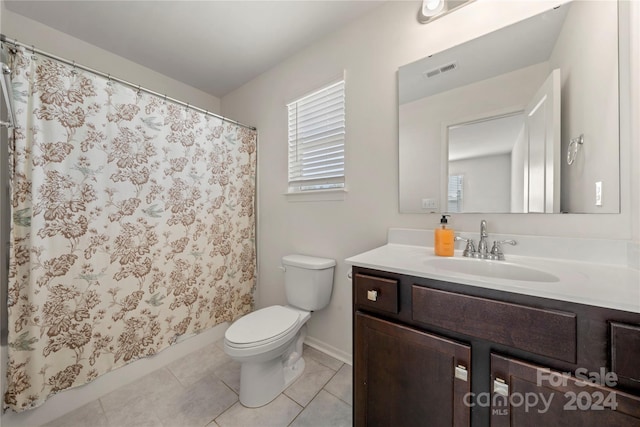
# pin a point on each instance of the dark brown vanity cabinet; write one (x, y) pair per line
(433, 353)
(407, 377)
(528, 395)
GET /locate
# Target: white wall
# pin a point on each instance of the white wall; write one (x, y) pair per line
(371, 50)
(486, 184)
(634, 137)
(586, 30)
(519, 174)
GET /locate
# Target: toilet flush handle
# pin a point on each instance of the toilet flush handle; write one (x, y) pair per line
(283, 268)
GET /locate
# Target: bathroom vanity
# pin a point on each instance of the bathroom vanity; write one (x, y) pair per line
(442, 348)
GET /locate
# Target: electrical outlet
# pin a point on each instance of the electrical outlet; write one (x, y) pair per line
(599, 193)
(429, 204)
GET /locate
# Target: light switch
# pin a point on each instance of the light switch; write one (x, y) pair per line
(429, 204)
(599, 193)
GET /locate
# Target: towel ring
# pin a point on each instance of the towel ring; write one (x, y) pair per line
(572, 150)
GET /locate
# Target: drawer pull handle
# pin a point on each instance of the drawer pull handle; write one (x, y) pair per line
(500, 387)
(461, 373)
(372, 295)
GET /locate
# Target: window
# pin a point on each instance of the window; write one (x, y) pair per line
(455, 193)
(316, 140)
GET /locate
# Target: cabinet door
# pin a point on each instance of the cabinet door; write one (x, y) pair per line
(529, 395)
(405, 377)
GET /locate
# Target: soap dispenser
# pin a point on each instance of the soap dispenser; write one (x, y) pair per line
(444, 239)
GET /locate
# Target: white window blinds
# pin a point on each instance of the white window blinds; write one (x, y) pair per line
(455, 193)
(316, 140)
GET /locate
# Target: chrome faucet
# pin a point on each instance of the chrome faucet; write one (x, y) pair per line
(496, 250)
(483, 245)
(470, 249)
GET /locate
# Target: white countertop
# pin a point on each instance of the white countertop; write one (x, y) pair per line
(602, 285)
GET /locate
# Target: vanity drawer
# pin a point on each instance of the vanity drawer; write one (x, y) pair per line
(376, 292)
(625, 348)
(548, 333)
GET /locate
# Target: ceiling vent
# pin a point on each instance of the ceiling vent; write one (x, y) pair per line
(442, 69)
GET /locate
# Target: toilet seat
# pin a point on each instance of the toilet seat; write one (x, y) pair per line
(262, 327)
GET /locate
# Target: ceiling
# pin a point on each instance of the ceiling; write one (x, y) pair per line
(215, 46)
(488, 137)
(511, 48)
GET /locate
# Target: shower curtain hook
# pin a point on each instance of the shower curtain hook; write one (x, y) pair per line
(33, 53)
(138, 91)
(109, 79)
(165, 99)
(74, 71)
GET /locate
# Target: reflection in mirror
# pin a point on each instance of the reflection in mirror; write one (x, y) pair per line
(486, 156)
(486, 126)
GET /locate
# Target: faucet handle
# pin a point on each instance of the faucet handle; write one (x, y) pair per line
(470, 249)
(496, 249)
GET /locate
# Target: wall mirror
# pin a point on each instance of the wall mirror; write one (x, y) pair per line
(521, 120)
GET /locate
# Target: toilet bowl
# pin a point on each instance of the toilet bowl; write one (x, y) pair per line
(268, 342)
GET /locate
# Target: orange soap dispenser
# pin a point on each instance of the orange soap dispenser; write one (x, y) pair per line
(444, 238)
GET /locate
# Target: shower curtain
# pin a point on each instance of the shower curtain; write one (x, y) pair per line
(132, 225)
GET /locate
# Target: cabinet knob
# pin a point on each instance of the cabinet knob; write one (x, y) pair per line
(372, 295)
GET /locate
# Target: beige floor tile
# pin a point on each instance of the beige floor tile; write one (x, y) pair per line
(137, 413)
(314, 377)
(322, 358)
(89, 415)
(203, 387)
(199, 364)
(325, 410)
(279, 413)
(341, 385)
(220, 344)
(157, 386)
(197, 405)
(229, 373)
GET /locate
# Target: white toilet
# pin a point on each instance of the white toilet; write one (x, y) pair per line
(268, 342)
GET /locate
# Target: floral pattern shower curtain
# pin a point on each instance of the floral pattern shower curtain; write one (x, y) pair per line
(133, 224)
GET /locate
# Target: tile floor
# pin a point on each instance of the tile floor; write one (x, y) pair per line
(201, 389)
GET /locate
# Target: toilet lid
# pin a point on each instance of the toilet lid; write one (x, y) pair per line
(265, 324)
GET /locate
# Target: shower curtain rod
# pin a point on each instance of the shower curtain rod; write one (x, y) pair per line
(33, 50)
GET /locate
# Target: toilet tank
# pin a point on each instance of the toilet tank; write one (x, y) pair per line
(308, 281)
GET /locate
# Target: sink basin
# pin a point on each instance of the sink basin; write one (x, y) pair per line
(489, 268)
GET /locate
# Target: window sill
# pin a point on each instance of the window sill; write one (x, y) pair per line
(336, 194)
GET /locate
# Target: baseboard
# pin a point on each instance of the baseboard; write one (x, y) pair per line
(330, 350)
(70, 400)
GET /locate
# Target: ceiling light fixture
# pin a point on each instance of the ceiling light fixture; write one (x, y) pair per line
(432, 9)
